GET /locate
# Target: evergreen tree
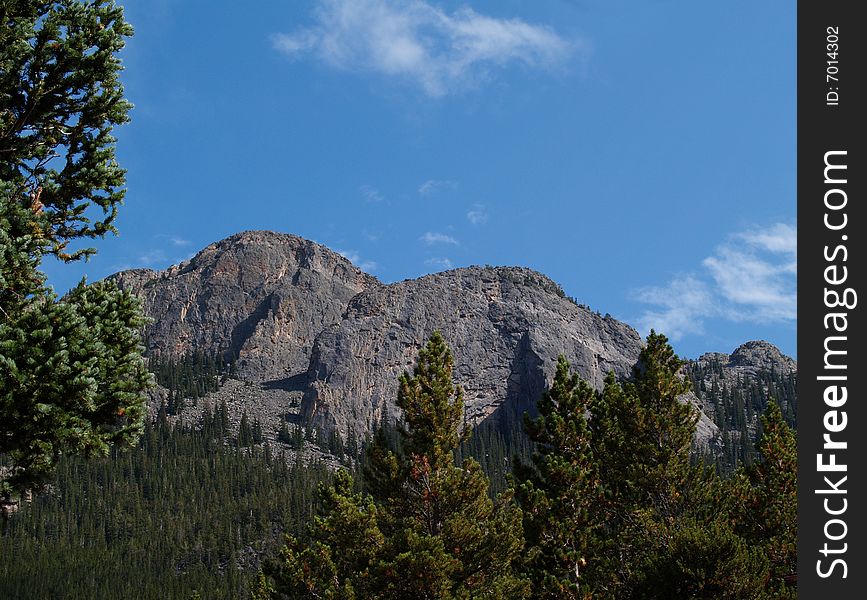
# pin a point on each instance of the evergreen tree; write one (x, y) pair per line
(71, 375)
(433, 408)
(176, 514)
(642, 433)
(765, 501)
(613, 508)
(340, 559)
(701, 559)
(560, 492)
(429, 530)
(245, 432)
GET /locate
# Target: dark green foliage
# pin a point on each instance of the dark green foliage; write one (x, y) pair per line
(345, 543)
(644, 431)
(72, 379)
(702, 560)
(641, 436)
(736, 409)
(614, 510)
(181, 512)
(60, 99)
(497, 446)
(560, 491)
(764, 500)
(191, 376)
(428, 530)
(433, 408)
(71, 375)
(245, 432)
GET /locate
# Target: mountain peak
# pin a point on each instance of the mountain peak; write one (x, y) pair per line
(763, 355)
(754, 355)
(258, 296)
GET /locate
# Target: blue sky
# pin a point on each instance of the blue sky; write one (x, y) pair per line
(641, 153)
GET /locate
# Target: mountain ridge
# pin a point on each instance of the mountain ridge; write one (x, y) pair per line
(321, 343)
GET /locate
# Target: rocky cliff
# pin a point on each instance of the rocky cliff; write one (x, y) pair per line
(258, 297)
(323, 343)
(735, 389)
(506, 327)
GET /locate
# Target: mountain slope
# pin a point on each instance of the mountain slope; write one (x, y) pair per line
(505, 325)
(257, 296)
(735, 389)
(320, 343)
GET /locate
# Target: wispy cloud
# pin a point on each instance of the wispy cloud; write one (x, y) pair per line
(174, 240)
(414, 40)
(477, 215)
(152, 258)
(439, 263)
(432, 186)
(750, 277)
(352, 256)
(432, 237)
(371, 194)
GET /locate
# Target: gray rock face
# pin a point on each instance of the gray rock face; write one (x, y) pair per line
(506, 328)
(307, 326)
(259, 296)
(754, 356)
(734, 388)
(740, 368)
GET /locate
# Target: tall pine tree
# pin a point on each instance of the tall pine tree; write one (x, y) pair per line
(429, 530)
(613, 508)
(560, 491)
(764, 498)
(71, 374)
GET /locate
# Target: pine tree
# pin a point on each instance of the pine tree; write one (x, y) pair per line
(432, 406)
(71, 374)
(448, 538)
(560, 492)
(642, 432)
(429, 529)
(245, 432)
(341, 555)
(765, 501)
(612, 503)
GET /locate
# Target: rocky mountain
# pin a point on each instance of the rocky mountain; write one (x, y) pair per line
(258, 297)
(321, 343)
(506, 327)
(734, 390)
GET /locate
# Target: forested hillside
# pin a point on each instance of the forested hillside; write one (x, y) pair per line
(186, 510)
(199, 506)
(734, 391)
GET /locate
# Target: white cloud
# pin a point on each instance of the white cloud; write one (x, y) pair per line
(780, 238)
(477, 215)
(432, 186)
(439, 263)
(371, 194)
(352, 256)
(432, 237)
(439, 52)
(682, 303)
(174, 239)
(152, 258)
(750, 277)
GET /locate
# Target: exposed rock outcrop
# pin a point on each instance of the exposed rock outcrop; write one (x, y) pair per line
(307, 327)
(506, 327)
(257, 296)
